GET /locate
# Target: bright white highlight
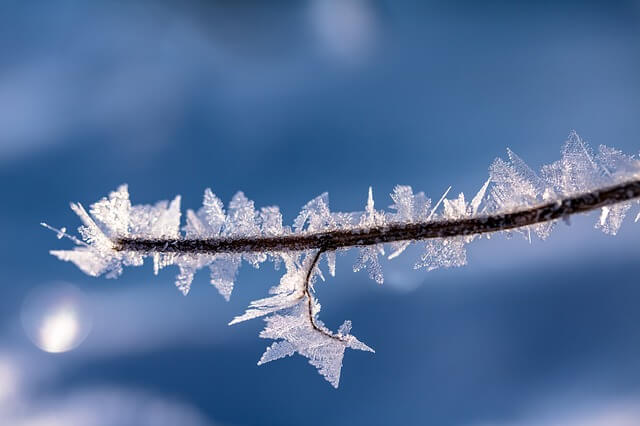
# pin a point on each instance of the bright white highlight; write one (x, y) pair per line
(55, 317)
(59, 331)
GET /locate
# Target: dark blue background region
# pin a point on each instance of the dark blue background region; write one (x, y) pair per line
(286, 100)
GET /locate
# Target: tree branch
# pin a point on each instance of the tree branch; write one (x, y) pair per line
(352, 237)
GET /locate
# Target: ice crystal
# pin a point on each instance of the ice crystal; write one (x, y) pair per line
(315, 215)
(112, 218)
(368, 257)
(291, 318)
(516, 185)
(287, 293)
(291, 309)
(577, 170)
(616, 166)
(410, 208)
(451, 252)
(210, 222)
(323, 349)
(580, 170)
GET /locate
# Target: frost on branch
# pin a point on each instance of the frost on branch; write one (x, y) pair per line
(113, 218)
(286, 294)
(324, 351)
(409, 208)
(516, 185)
(368, 257)
(115, 233)
(292, 320)
(579, 170)
(315, 216)
(450, 252)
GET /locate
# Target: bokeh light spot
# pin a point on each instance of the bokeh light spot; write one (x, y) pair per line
(56, 318)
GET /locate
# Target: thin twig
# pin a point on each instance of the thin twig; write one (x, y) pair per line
(309, 296)
(352, 237)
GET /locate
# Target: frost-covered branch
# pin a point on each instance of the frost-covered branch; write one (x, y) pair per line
(514, 199)
(394, 232)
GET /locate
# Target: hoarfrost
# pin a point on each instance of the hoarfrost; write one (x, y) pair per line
(324, 350)
(315, 215)
(331, 262)
(579, 170)
(291, 309)
(451, 252)
(409, 208)
(368, 257)
(291, 318)
(616, 166)
(516, 185)
(287, 293)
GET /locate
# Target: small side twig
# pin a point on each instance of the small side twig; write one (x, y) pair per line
(309, 296)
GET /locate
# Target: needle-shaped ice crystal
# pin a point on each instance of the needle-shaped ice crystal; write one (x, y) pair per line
(451, 252)
(368, 257)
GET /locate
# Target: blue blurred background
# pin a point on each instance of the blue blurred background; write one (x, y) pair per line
(285, 100)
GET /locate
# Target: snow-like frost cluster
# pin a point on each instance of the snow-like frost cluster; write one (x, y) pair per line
(292, 316)
(291, 310)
